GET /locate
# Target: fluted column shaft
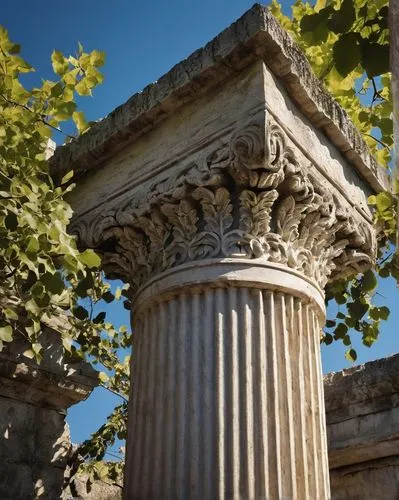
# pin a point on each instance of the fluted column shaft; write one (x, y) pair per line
(227, 398)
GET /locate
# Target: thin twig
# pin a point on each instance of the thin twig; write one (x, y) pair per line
(378, 140)
(114, 392)
(41, 119)
(385, 258)
(120, 456)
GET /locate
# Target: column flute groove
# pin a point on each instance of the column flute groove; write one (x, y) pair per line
(226, 383)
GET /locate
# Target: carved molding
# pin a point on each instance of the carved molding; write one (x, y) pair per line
(250, 197)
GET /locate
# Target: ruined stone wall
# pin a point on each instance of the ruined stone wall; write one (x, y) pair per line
(34, 437)
(362, 411)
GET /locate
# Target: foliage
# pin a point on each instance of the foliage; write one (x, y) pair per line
(347, 44)
(88, 458)
(45, 280)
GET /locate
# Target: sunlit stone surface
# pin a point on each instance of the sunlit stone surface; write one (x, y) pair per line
(228, 195)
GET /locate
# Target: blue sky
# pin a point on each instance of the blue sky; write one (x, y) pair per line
(142, 41)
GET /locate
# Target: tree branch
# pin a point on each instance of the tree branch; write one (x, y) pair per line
(114, 392)
(45, 122)
(377, 140)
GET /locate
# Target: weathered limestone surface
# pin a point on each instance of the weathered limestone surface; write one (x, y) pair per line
(362, 410)
(364, 461)
(99, 490)
(228, 195)
(34, 438)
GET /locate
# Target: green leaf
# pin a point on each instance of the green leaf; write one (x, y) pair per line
(84, 286)
(350, 321)
(103, 377)
(97, 58)
(80, 49)
(28, 354)
(44, 130)
(53, 283)
(346, 340)
(311, 22)
(375, 58)
(384, 201)
(365, 117)
(6, 333)
(60, 64)
(80, 312)
(82, 88)
(378, 313)
(108, 297)
(351, 355)
(99, 318)
(33, 245)
(347, 53)
(57, 90)
(369, 281)
(80, 121)
(342, 19)
(64, 110)
(340, 298)
(10, 314)
(340, 331)
(67, 177)
(67, 343)
(11, 221)
(70, 77)
(372, 200)
(15, 48)
(36, 348)
(357, 310)
(90, 259)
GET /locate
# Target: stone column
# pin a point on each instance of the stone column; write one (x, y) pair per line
(227, 195)
(227, 265)
(227, 397)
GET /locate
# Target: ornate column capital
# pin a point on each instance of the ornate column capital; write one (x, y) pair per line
(251, 194)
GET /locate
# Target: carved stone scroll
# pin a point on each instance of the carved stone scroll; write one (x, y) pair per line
(251, 198)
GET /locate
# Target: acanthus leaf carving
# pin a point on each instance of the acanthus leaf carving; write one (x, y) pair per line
(250, 197)
(255, 211)
(216, 208)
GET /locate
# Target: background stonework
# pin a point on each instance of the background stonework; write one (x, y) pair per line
(34, 438)
(362, 412)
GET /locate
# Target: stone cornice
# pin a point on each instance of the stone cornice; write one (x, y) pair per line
(362, 410)
(362, 390)
(256, 35)
(52, 384)
(37, 386)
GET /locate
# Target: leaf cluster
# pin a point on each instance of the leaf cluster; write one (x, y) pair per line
(44, 278)
(347, 45)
